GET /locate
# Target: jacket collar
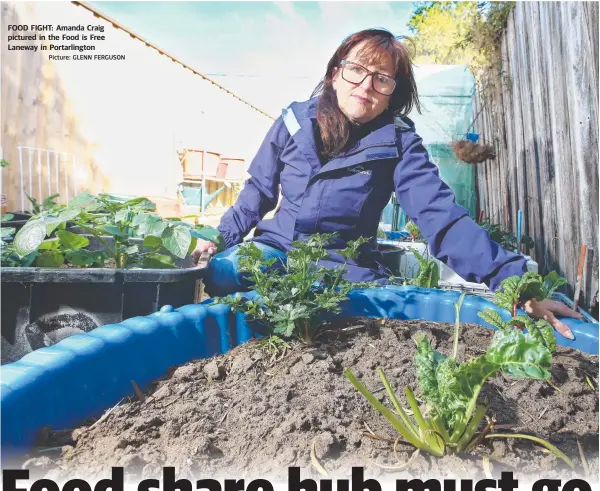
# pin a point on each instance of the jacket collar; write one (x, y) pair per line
(305, 114)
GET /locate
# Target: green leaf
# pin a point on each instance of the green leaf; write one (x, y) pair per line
(29, 238)
(50, 244)
(149, 224)
(543, 333)
(152, 241)
(113, 230)
(508, 293)
(158, 261)
(177, 240)
(552, 281)
(52, 222)
(7, 217)
(530, 286)
(211, 234)
(121, 215)
(521, 321)
(69, 240)
(192, 246)
(492, 317)
(81, 201)
(429, 273)
(50, 258)
(519, 355)
(426, 361)
(7, 232)
(85, 258)
(141, 204)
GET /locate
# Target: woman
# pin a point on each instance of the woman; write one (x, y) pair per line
(337, 158)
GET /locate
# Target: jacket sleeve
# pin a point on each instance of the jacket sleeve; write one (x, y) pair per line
(261, 191)
(453, 237)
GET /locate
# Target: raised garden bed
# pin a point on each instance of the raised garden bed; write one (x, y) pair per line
(250, 413)
(82, 376)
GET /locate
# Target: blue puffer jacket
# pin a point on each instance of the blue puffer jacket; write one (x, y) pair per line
(348, 193)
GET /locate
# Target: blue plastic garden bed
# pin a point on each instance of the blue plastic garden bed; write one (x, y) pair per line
(85, 374)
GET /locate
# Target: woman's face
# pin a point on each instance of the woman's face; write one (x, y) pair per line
(360, 102)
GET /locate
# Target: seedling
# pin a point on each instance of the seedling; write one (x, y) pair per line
(294, 294)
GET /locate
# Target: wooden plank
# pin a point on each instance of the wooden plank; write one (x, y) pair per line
(517, 114)
(544, 205)
(583, 114)
(554, 188)
(507, 90)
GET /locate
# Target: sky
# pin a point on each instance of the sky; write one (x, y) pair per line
(269, 53)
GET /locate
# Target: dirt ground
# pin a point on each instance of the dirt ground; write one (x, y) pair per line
(246, 415)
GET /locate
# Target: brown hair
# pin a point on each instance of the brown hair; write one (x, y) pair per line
(379, 44)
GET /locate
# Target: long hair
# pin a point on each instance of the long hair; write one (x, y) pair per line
(379, 44)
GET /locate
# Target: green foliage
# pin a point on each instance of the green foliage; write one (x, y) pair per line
(117, 225)
(452, 415)
(48, 204)
(460, 33)
(506, 239)
(413, 230)
(429, 272)
(3, 163)
(552, 281)
(293, 295)
(508, 297)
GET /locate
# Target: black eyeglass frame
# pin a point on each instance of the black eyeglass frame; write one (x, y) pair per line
(344, 63)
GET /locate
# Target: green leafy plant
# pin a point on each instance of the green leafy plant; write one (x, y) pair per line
(413, 230)
(506, 239)
(429, 272)
(450, 419)
(47, 204)
(292, 295)
(129, 233)
(3, 163)
(508, 297)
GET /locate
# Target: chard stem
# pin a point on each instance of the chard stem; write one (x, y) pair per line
(434, 448)
(388, 414)
(405, 419)
(457, 308)
(472, 429)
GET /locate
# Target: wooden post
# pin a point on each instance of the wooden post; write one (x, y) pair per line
(579, 276)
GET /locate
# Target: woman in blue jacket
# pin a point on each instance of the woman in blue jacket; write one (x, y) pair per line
(337, 158)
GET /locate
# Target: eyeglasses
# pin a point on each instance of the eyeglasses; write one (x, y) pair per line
(356, 74)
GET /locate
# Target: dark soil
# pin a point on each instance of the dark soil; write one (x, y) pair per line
(243, 415)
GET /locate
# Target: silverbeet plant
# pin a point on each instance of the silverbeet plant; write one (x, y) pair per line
(450, 419)
(508, 297)
(292, 296)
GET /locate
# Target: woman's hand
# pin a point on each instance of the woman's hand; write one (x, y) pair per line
(202, 247)
(545, 309)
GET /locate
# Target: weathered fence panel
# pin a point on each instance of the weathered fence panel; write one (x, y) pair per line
(543, 119)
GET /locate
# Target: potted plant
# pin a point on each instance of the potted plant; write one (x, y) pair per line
(93, 261)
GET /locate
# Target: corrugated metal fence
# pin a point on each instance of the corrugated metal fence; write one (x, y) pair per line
(543, 120)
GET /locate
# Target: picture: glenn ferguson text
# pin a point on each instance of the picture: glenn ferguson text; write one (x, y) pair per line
(87, 57)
